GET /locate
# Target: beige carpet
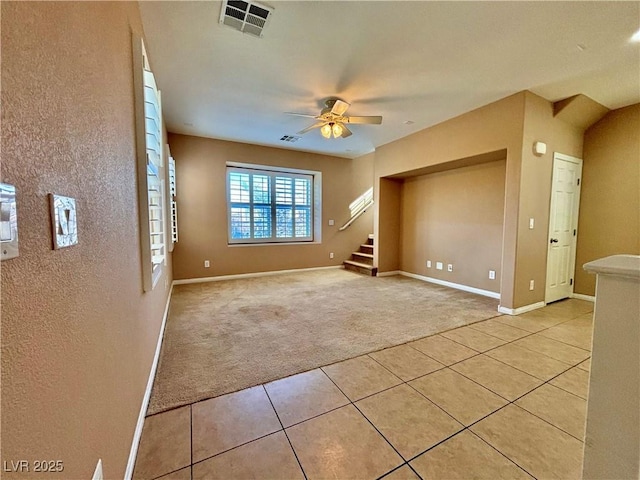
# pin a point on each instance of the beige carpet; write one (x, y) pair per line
(225, 336)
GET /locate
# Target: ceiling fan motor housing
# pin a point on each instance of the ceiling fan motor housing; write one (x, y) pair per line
(332, 119)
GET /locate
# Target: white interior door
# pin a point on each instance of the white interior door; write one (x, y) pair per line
(563, 226)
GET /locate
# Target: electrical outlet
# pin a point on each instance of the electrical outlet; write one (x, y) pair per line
(428, 263)
(532, 284)
(438, 265)
(449, 268)
(331, 255)
(492, 274)
(332, 223)
(207, 264)
(531, 222)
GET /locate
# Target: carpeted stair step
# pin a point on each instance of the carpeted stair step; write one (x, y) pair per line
(365, 258)
(360, 267)
(366, 248)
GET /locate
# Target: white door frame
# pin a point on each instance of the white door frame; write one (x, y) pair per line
(574, 226)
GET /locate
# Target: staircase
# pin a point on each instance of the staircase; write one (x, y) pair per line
(362, 260)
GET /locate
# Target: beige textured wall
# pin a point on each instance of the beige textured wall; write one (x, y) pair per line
(493, 127)
(455, 217)
(535, 193)
(202, 214)
(387, 241)
(78, 334)
(609, 221)
(512, 123)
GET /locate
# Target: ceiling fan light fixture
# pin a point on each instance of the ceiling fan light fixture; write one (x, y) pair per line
(332, 121)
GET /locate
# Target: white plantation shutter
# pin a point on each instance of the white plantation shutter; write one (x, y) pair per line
(153, 130)
(151, 159)
(172, 197)
(269, 206)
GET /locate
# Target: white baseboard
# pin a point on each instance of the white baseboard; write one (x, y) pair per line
(580, 296)
(250, 275)
(519, 310)
(392, 273)
(147, 395)
(457, 286)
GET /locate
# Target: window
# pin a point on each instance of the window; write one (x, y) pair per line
(151, 159)
(173, 204)
(267, 206)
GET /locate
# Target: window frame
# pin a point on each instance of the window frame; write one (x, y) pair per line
(150, 166)
(314, 208)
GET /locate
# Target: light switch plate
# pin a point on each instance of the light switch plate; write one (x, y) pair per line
(8, 222)
(438, 265)
(63, 221)
(97, 474)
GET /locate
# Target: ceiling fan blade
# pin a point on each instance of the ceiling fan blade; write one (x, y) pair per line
(373, 120)
(308, 129)
(345, 131)
(339, 108)
(301, 114)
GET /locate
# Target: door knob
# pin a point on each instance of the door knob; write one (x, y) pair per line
(554, 240)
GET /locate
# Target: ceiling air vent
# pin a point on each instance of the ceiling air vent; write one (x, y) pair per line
(247, 17)
(290, 138)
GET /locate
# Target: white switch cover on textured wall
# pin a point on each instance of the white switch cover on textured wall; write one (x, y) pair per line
(332, 223)
(492, 274)
(428, 263)
(97, 474)
(207, 264)
(438, 265)
(531, 223)
(449, 268)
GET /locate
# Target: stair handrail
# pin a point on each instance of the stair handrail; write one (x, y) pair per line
(356, 216)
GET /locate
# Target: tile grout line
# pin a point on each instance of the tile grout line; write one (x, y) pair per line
(334, 363)
(406, 462)
(509, 342)
(468, 427)
(403, 345)
(464, 427)
(513, 402)
(414, 471)
(512, 461)
(390, 472)
(351, 402)
(233, 448)
(495, 317)
(483, 386)
(548, 422)
(405, 382)
(284, 430)
(407, 343)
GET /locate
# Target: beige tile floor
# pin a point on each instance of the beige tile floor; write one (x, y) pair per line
(503, 398)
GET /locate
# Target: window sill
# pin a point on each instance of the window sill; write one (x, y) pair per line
(274, 244)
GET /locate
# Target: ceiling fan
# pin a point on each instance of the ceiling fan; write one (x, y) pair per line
(332, 119)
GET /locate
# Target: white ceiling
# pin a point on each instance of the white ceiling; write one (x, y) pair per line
(418, 60)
